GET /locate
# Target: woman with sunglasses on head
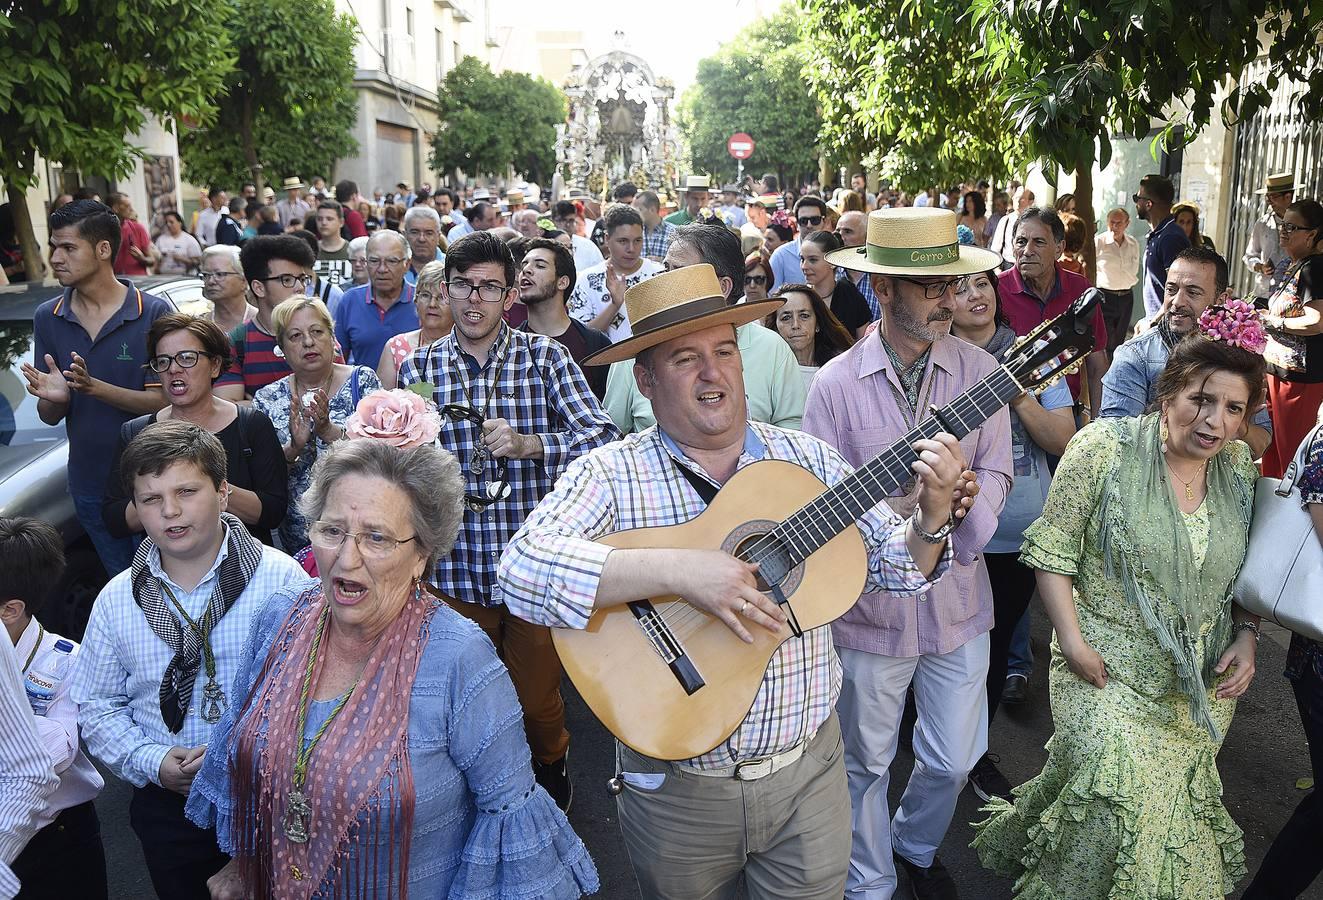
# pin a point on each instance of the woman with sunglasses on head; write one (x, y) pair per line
(1294, 323)
(434, 318)
(840, 295)
(188, 353)
(309, 406)
(757, 278)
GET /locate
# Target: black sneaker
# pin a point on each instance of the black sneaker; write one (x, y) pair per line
(1015, 690)
(932, 883)
(555, 780)
(986, 779)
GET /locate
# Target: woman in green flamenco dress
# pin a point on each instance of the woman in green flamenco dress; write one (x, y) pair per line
(1141, 539)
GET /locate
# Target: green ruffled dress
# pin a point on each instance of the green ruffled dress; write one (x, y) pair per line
(1129, 804)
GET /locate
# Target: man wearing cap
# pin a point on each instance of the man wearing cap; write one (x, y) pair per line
(731, 213)
(1264, 255)
(769, 805)
(935, 642)
(773, 392)
(657, 233)
(810, 215)
(697, 191)
(293, 206)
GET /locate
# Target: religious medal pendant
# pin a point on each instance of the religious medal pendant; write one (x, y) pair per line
(1189, 493)
(478, 459)
(297, 814)
(213, 703)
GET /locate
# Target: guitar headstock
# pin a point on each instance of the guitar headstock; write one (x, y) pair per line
(1056, 347)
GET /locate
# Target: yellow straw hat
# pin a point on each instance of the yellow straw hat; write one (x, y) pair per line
(675, 303)
(914, 241)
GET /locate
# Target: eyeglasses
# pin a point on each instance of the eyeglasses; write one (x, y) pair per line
(489, 291)
(756, 280)
(933, 290)
(372, 544)
(1289, 229)
(221, 275)
(1138, 199)
(390, 262)
(426, 298)
(187, 359)
(809, 221)
(289, 281)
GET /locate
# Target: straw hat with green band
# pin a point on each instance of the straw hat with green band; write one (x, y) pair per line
(675, 303)
(914, 241)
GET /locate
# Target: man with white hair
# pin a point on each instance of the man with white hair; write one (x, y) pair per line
(373, 313)
(422, 229)
(223, 285)
(525, 222)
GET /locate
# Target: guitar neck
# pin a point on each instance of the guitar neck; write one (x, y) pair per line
(840, 506)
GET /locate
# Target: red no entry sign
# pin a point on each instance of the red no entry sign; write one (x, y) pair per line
(740, 145)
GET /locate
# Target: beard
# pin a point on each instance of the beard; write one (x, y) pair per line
(930, 330)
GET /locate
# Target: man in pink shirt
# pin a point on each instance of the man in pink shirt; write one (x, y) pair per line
(937, 641)
(135, 244)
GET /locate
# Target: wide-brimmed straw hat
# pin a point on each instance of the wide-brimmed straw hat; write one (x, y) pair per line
(292, 183)
(697, 183)
(675, 303)
(914, 241)
(1279, 183)
(514, 196)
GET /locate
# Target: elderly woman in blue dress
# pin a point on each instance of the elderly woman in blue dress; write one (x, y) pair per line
(381, 748)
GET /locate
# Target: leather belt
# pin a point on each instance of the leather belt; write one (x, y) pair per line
(753, 769)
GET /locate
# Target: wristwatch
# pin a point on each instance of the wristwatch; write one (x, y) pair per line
(932, 537)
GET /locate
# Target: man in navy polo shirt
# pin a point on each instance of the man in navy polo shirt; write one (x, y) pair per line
(1153, 201)
(1038, 288)
(90, 354)
(373, 313)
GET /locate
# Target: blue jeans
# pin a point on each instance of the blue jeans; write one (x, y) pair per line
(1020, 660)
(116, 553)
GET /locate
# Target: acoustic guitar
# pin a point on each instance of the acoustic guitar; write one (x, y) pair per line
(671, 681)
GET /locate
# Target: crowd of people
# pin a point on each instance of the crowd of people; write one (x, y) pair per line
(342, 513)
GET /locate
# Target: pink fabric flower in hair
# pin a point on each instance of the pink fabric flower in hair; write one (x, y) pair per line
(1235, 323)
(402, 419)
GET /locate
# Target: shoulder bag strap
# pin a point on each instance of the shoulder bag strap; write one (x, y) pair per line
(706, 489)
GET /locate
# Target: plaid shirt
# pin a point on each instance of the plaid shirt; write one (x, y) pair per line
(550, 570)
(657, 241)
(538, 390)
(117, 674)
(865, 286)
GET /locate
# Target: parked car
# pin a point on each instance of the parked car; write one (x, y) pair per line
(34, 456)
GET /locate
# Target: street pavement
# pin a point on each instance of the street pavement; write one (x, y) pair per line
(1263, 757)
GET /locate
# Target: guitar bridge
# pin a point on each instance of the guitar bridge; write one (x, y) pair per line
(667, 645)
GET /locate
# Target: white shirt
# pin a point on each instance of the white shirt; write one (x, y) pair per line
(79, 779)
(1003, 238)
(591, 296)
(117, 679)
(1264, 247)
(26, 777)
(208, 219)
(586, 253)
(1118, 264)
(185, 245)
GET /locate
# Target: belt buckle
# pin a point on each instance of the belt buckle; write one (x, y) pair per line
(753, 769)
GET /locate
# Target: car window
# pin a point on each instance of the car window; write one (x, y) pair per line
(19, 423)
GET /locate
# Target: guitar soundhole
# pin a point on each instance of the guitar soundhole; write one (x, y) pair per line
(752, 542)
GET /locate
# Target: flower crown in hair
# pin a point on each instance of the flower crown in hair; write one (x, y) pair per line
(1236, 323)
(783, 218)
(403, 419)
(546, 224)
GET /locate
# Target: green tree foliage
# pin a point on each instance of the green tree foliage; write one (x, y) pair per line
(1071, 71)
(754, 84)
(898, 85)
(76, 78)
(289, 106)
(489, 122)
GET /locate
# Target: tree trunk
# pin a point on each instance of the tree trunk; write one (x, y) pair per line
(27, 238)
(249, 142)
(1084, 209)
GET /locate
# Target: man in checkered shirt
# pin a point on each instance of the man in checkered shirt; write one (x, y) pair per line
(770, 804)
(516, 411)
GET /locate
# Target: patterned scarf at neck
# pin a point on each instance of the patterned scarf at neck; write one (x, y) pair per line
(236, 570)
(911, 376)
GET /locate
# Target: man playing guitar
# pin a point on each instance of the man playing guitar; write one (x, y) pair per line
(770, 803)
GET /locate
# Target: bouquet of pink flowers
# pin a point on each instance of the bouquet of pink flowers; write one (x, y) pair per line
(1236, 323)
(401, 418)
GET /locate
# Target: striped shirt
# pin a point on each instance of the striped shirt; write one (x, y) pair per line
(26, 776)
(531, 381)
(550, 571)
(117, 678)
(256, 363)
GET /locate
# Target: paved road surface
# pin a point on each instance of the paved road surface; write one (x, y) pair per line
(1263, 756)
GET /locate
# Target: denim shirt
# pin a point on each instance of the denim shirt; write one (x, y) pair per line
(1130, 386)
